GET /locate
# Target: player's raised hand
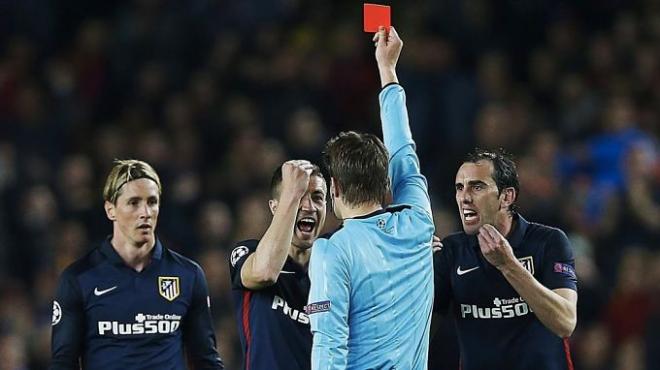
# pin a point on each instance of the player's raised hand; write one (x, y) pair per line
(388, 47)
(494, 246)
(295, 177)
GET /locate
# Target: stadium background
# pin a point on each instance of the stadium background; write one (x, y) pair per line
(215, 94)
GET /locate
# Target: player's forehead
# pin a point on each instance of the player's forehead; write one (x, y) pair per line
(316, 184)
(480, 171)
(142, 188)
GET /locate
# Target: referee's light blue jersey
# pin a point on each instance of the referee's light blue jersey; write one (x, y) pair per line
(372, 281)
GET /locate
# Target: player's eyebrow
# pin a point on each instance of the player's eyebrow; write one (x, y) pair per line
(138, 198)
(477, 182)
(472, 183)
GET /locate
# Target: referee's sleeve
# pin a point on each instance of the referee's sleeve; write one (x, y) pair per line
(67, 324)
(408, 185)
(198, 333)
(328, 306)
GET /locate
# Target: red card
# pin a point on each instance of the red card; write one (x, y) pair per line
(375, 16)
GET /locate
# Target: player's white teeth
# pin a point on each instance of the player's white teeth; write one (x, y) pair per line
(469, 214)
(306, 224)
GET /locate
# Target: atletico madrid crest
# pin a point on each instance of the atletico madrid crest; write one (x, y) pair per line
(528, 263)
(168, 287)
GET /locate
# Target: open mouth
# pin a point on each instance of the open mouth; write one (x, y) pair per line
(145, 227)
(306, 224)
(470, 215)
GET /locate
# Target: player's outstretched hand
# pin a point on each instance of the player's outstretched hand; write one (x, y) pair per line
(295, 177)
(436, 244)
(388, 48)
(494, 246)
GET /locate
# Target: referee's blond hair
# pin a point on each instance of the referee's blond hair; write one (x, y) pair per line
(123, 171)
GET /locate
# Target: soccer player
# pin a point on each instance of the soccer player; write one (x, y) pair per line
(372, 280)
(511, 282)
(131, 303)
(269, 277)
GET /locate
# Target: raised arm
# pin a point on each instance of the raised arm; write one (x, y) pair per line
(262, 268)
(408, 184)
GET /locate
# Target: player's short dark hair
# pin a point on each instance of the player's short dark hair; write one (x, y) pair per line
(358, 162)
(276, 180)
(505, 173)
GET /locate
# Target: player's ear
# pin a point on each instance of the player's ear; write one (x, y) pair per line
(272, 204)
(335, 188)
(109, 210)
(507, 198)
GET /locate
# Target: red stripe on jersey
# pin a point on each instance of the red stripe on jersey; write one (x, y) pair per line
(567, 350)
(247, 295)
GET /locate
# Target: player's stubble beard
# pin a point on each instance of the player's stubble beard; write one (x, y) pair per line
(299, 243)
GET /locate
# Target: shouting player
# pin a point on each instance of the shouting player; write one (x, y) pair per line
(269, 276)
(512, 282)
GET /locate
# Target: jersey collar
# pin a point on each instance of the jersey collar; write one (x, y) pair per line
(111, 254)
(519, 228)
(391, 209)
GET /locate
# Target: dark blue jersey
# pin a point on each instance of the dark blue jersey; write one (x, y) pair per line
(272, 323)
(496, 328)
(108, 316)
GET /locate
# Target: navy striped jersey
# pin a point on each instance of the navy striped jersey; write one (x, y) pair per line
(496, 328)
(108, 316)
(272, 324)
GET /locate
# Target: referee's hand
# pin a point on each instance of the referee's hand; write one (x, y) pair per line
(388, 48)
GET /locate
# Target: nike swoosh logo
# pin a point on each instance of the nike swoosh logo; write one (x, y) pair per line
(287, 272)
(99, 293)
(462, 272)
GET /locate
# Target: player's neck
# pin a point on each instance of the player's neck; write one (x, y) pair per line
(504, 223)
(135, 256)
(300, 255)
(361, 210)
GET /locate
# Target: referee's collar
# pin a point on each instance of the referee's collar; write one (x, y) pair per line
(391, 209)
(111, 254)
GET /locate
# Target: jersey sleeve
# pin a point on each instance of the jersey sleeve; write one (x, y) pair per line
(442, 267)
(558, 269)
(67, 324)
(409, 186)
(198, 333)
(328, 306)
(237, 258)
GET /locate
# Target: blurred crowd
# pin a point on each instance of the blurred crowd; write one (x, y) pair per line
(216, 94)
